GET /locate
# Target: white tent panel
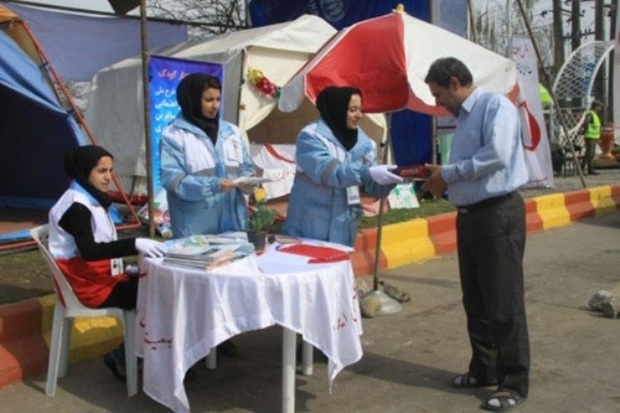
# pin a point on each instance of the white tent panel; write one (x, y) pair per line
(115, 110)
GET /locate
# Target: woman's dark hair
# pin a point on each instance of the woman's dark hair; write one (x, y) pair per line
(212, 82)
(79, 162)
(333, 105)
(445, 68)
(189, 97)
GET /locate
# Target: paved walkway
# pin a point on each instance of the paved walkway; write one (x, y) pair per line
(410, 356)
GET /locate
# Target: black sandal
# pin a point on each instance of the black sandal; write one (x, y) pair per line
(111, 364)
(502, 401)
(467, 381)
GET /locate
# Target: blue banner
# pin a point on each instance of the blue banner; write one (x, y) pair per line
(338, 13)
(165, 73)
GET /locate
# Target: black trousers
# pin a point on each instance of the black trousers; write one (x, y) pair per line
(491, 244)
(123, 295)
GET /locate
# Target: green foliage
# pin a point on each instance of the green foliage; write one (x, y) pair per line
(262, 218)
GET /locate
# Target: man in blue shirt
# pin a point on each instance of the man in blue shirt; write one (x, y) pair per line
(485, 169)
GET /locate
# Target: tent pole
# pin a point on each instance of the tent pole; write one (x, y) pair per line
(147, 116)
(375, 278)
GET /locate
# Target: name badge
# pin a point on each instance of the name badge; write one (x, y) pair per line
(232, 154)
(116, 266)
(353, 195)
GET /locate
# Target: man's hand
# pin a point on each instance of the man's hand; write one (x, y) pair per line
(435, 183)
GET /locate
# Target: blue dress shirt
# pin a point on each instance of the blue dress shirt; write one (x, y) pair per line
(486, 157)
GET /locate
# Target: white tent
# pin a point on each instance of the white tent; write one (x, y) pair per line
(115, 109)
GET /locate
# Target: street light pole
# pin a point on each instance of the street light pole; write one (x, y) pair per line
(558, 37)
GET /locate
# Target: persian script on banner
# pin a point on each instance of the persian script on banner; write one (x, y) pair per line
(535, 139)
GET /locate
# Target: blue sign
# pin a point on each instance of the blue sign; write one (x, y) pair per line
(165, 73)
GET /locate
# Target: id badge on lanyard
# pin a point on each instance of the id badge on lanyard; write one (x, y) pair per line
(116, 266)
(353, 195)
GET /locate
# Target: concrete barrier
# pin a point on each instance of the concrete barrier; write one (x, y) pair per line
(25, 327)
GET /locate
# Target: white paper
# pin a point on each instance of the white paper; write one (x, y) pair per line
(251, 180)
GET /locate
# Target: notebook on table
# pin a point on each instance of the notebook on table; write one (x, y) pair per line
(316, 253)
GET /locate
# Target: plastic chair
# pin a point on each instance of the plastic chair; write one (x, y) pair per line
(68, 307)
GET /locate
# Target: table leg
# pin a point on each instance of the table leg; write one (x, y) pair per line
(288, 370)
(307, 355)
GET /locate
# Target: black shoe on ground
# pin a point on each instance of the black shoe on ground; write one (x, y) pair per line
(227, 349)
(114, 366)
(593, 173)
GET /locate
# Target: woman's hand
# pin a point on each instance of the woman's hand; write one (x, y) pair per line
(381, 174)
(227, 184)
(151, 247)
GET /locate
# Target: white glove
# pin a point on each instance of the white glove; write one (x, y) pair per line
(151, 247)
(381, 174)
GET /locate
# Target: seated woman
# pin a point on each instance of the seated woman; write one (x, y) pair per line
(84, 243)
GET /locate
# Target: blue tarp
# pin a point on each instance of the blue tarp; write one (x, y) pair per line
(35, 133)
(81, 45)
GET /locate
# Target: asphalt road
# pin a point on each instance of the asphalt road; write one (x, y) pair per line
(410, 356)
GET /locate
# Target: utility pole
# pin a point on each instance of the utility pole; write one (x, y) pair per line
(599, 34)
(508, 29)
(558, 38)
(576, 25)
(577, 102)
(612, 36)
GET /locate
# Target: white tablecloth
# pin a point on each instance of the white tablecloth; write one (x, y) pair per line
(183, 313)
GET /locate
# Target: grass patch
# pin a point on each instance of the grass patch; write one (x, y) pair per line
(428, 207)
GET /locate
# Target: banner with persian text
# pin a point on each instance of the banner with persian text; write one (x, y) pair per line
(534, 131)
(165, 73)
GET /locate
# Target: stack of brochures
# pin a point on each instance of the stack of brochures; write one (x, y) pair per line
(205, 252)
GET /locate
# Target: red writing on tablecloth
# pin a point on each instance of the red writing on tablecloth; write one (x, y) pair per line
(154, 343)
(353, 316)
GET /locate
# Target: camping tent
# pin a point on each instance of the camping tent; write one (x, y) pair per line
(115, 109)
(36, 129)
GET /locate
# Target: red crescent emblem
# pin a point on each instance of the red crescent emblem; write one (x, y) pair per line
(533, 127)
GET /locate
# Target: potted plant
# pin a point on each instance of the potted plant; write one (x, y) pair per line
(261, 219)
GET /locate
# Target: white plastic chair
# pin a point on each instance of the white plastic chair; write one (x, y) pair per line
(68, 307)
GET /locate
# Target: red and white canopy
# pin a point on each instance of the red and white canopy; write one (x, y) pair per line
(387, 58)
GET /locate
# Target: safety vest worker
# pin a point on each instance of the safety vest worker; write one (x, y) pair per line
(593, 130)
